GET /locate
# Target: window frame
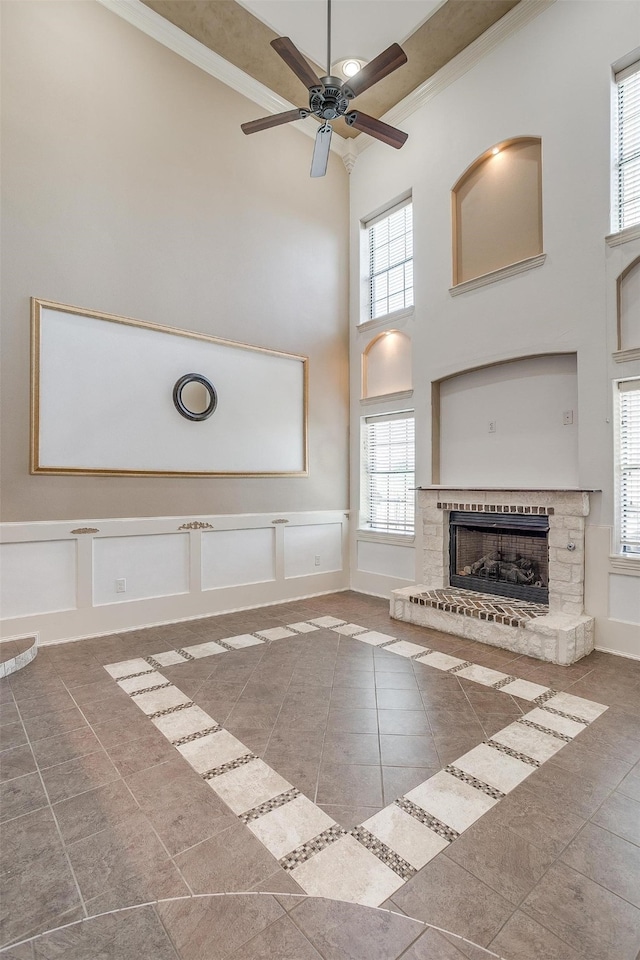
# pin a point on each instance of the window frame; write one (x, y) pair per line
(367, 525)
(625, 549)
(618, 224)
(367, 225)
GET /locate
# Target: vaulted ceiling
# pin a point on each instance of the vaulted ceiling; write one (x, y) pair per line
(431, 33)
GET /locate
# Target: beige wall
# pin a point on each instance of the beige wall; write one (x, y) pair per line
(129, 188)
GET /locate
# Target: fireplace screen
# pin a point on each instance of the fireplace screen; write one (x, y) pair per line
(500, 553)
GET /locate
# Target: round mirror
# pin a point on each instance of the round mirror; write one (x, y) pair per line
(195, 397)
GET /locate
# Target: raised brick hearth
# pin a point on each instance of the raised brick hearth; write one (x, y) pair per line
(559, 632)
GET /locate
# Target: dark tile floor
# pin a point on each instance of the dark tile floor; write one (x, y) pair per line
(100, 812)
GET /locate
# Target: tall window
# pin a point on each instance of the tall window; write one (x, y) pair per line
(388, 474)
(627, 149)
(629, 466)
(390, 239)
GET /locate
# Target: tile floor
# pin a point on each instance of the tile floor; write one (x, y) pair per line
(310, 752)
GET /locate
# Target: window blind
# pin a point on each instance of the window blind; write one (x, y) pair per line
(391, 261)
(390, 471)
(627, 187)
(629, 465)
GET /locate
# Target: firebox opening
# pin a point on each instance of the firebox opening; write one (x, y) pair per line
(500, 553)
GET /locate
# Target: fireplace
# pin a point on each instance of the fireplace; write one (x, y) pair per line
(484, 551)
(500, 553)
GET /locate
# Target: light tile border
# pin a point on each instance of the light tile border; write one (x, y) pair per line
(564, 729)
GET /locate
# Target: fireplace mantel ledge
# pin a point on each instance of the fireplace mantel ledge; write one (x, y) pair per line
(511, 489)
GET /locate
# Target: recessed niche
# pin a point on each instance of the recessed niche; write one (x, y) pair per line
(386, 365)
(629, 307)
(508, 423)
(497, 209)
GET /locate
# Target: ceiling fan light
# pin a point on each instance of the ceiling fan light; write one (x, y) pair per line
(350, 67)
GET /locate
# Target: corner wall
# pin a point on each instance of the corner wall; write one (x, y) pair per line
(552, 79)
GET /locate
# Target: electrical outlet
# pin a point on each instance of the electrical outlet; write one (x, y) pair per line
(492, 426)
(567, 418)
(317, 560)
(121, 585)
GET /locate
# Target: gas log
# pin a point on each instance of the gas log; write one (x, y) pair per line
(493, 567)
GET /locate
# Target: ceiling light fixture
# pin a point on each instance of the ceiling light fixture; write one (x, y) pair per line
(495, 151)
(349, 68)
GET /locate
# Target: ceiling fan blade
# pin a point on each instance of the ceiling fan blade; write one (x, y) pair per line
(254, 126)
(384, 64)
(376, 128)
(296, 62)
(320, 157)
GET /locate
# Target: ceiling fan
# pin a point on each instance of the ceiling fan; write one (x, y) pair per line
(330, 98)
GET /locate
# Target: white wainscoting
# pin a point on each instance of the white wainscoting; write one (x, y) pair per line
(37, 577)
(380, 566)
(59, 577)
(231, 558)
(151, 566)
(311, 549)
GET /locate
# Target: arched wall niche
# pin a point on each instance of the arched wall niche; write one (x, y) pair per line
(509, 423)
(386, 364)
(629, 307)
(497, 209)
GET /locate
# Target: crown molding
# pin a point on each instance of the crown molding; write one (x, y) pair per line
(518, 17)
(148, 21)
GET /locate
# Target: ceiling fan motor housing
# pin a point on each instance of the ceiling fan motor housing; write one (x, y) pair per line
(331, 102)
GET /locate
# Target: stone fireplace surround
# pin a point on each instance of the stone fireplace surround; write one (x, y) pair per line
(559, 632)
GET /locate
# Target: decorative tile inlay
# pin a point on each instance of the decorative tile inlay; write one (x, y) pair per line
(588, 710)
(158, 686)
(541, 729)
(384, 853)
(404, 648)
(153, 663)
(307, 850)
(448, 833)
(525, 689)
(407, 836)
(440, 661)
(368, 863)
(561, 713)
(127, 668)
(168, 710)
(230, 765)
(132, 676)
(327, 622)
(474, 782)
(270, 805)
(495, 767)
(274, 633)
(512, 753)
(196, 736)
(544, 696)
(460, 666)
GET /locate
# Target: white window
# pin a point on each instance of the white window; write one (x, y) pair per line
(390, 242)
(389, 473)
(628, 472)
(626, 187)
